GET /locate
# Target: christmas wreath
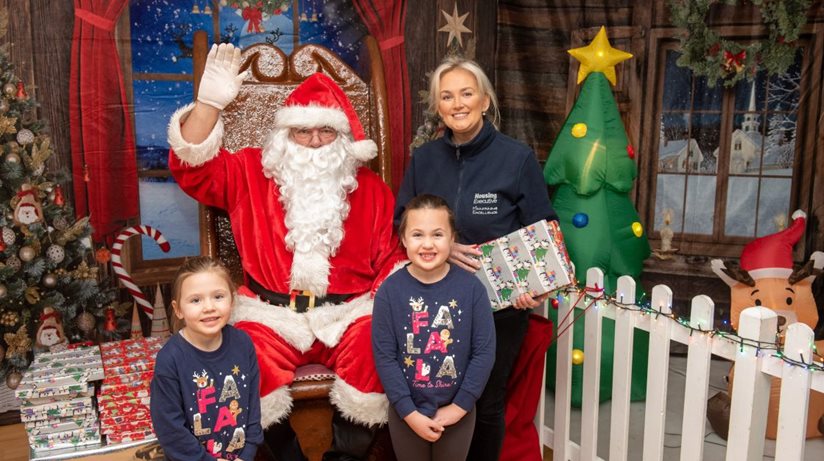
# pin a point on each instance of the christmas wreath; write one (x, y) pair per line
(708, 54)
(253, 11)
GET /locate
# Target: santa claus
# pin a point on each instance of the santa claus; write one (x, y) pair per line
(313, 227)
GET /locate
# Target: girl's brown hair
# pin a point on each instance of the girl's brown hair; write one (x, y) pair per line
(427, 202)
(192, 266)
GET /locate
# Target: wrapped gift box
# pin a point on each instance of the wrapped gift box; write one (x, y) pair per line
(60, 424)
(58, 409)
(531, 260)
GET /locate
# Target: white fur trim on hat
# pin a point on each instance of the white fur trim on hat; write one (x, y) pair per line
(770, 273)
(312, 117)
(275, 406)
(329, 321)
(367, 408)
(193, 154)
(289, 325)
(364, 150)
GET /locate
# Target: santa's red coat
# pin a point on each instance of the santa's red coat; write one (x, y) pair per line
(235, 182)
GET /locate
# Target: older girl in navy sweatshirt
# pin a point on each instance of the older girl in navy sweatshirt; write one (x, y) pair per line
(433, 339)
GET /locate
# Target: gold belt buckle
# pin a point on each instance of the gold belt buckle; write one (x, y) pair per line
(293, 297)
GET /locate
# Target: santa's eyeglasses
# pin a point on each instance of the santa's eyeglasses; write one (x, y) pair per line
(325, 134)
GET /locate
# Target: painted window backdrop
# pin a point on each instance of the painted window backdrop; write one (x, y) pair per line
(725, 157)
(160, 46)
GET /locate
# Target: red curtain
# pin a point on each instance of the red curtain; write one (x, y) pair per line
(104, 169)
(385, 20)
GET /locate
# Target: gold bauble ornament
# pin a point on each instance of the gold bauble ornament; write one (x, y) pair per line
(3, 291)
(86, 322)
(577, 356)
(9, 89)
(12, 158)
(27, 253)
(49, 280)
(637, 229)
(13, 379)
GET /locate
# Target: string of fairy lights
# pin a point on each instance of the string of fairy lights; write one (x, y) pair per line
(593, 295)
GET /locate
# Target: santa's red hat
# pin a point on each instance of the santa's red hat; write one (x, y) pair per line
(319, 102)
(772, 255)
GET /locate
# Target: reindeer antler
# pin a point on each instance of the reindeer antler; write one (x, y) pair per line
(738, 274)
(803, 272)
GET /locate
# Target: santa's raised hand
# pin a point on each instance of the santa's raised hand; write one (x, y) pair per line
(221, 81)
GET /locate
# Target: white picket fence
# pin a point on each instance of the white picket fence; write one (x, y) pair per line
(754, 368)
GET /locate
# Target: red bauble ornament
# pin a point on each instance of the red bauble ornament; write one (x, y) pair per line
(2, 245)
(630, 151)
(554, 303)
(21, 91)
(110, 324)
(59, 199)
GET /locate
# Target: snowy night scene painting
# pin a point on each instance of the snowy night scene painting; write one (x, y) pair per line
(754, 152)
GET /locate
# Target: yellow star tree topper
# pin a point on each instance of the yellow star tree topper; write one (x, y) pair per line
(598, 56)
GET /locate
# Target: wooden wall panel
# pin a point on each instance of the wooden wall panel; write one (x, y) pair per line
(426, 46)
(39, 44)
(53, 23)
(532, 64)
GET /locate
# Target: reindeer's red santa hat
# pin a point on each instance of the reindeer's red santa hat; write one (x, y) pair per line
(772, 255)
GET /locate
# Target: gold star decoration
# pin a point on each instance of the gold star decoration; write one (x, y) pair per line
(598, 56)
(18, 343)
(455, 26)
(235, 370)
(453, 304)
(408, 361)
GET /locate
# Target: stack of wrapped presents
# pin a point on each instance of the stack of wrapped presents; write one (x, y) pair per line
(56, 399)
(123, 398)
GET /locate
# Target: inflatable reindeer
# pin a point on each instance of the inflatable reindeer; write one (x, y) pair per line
(766, 278)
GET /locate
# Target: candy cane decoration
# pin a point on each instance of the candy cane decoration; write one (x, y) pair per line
(124, 276)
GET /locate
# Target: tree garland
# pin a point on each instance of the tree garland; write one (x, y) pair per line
(708, 54)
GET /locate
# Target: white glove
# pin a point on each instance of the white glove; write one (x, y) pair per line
(221, 82)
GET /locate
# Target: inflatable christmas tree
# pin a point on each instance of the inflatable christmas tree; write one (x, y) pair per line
(592, 166)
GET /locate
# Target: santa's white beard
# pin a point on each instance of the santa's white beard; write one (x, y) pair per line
(313, 185)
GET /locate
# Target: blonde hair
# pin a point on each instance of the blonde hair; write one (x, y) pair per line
(190, 267)
(484, 85)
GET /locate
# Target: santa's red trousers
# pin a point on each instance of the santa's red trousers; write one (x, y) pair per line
(523, 393)
(351, 359)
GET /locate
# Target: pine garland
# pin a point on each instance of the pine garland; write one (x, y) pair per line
(708, 54)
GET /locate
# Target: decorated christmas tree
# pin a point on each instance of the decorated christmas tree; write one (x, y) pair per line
(50, 292)
(592, 165)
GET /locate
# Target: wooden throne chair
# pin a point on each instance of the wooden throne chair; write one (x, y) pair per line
(248, 120)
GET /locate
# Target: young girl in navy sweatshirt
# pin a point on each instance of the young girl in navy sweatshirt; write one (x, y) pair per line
(433, 339)
(205, 390)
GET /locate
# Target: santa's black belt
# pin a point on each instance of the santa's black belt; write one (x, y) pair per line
(299, 301)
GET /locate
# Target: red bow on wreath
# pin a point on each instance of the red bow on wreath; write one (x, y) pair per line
(734, 61)
(254, 16)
